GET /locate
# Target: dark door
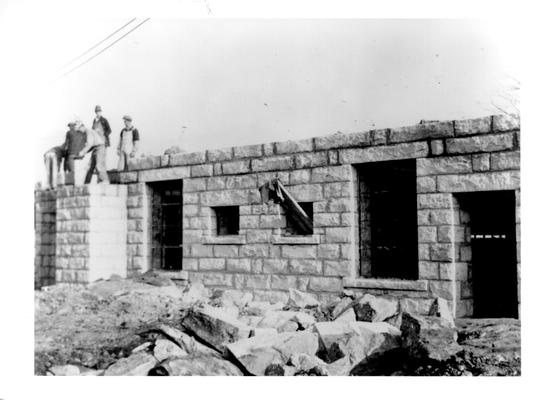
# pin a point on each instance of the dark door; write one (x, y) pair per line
(494, 280)
(166, 225)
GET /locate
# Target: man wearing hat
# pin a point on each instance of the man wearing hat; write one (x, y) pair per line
(94, 143)
(129, 143)
(75, 142)
(101, 125)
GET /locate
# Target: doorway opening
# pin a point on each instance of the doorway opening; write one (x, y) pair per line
(493, 261)
(166, 225)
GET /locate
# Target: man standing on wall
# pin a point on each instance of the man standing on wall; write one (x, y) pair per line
(75, 142)
(95, 143)
(101, 125)
(129, 143)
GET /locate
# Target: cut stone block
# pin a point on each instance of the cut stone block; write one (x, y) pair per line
(258, 352)
(214, 326)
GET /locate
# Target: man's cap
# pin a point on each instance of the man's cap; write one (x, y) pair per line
(127, 118)
(98, 108)
(71, 123)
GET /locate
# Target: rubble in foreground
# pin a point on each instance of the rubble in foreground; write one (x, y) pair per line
(149, 326)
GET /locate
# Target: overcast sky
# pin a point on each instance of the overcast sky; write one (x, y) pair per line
(216, 83)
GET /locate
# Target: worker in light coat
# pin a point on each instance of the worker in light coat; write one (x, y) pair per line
(128, 145)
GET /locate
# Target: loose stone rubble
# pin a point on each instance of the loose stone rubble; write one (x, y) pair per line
(222, 332)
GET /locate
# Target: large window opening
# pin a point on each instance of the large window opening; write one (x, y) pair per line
(166, 225)
(388, 219)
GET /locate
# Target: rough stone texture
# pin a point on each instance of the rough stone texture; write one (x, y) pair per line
(506, 122)
(45, 237)
(480, 162)
(165, 349)
(475, 144)
(258, 352)
(347, 316)
(65, 370)
(342, 140)
(307, 160)
(505, 160)
(381, 153)
(437, 147)
(445, 165)
(137, 364)
(379, 136)
(301, 300)
(371, 308)
(219, 155)
(276, 319)
(214, 326)
(294, 146)
(356, 341)
(472, 126)
(441, 309)
(148, 162)
(428, 337)
(187, 158)
(153, 175)
(421, 131)
(416, 306)
(199, 365)
(91, 233)
(476, 182)
(255, 150)
(305, 364)
(236, 167)
(201, 170)
(273, 163)
(187, 343)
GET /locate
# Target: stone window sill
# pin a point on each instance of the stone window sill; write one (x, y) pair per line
(227, 239)
(309, 239)
(386, 284)
(179, 275)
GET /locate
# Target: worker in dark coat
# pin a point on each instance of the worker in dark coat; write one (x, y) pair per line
(74, 143)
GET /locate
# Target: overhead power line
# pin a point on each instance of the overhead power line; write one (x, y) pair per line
(103, 50)
(97, 44)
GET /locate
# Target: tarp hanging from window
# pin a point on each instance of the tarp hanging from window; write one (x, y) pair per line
(274, 190)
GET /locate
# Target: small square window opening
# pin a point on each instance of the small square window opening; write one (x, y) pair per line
(226, 220)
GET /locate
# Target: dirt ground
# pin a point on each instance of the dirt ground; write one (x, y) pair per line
(94, 326)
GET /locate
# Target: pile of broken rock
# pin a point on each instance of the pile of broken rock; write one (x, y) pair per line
(228, 333)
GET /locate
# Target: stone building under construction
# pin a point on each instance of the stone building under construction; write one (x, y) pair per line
(418, 212)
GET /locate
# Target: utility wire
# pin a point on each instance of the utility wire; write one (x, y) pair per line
(102, 51)
(102, 41)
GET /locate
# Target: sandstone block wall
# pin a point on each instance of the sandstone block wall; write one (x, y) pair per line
(451, 157)
(83, 233)
(137, 251)
(45, 238)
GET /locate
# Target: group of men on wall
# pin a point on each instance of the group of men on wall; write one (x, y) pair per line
(81, 140)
